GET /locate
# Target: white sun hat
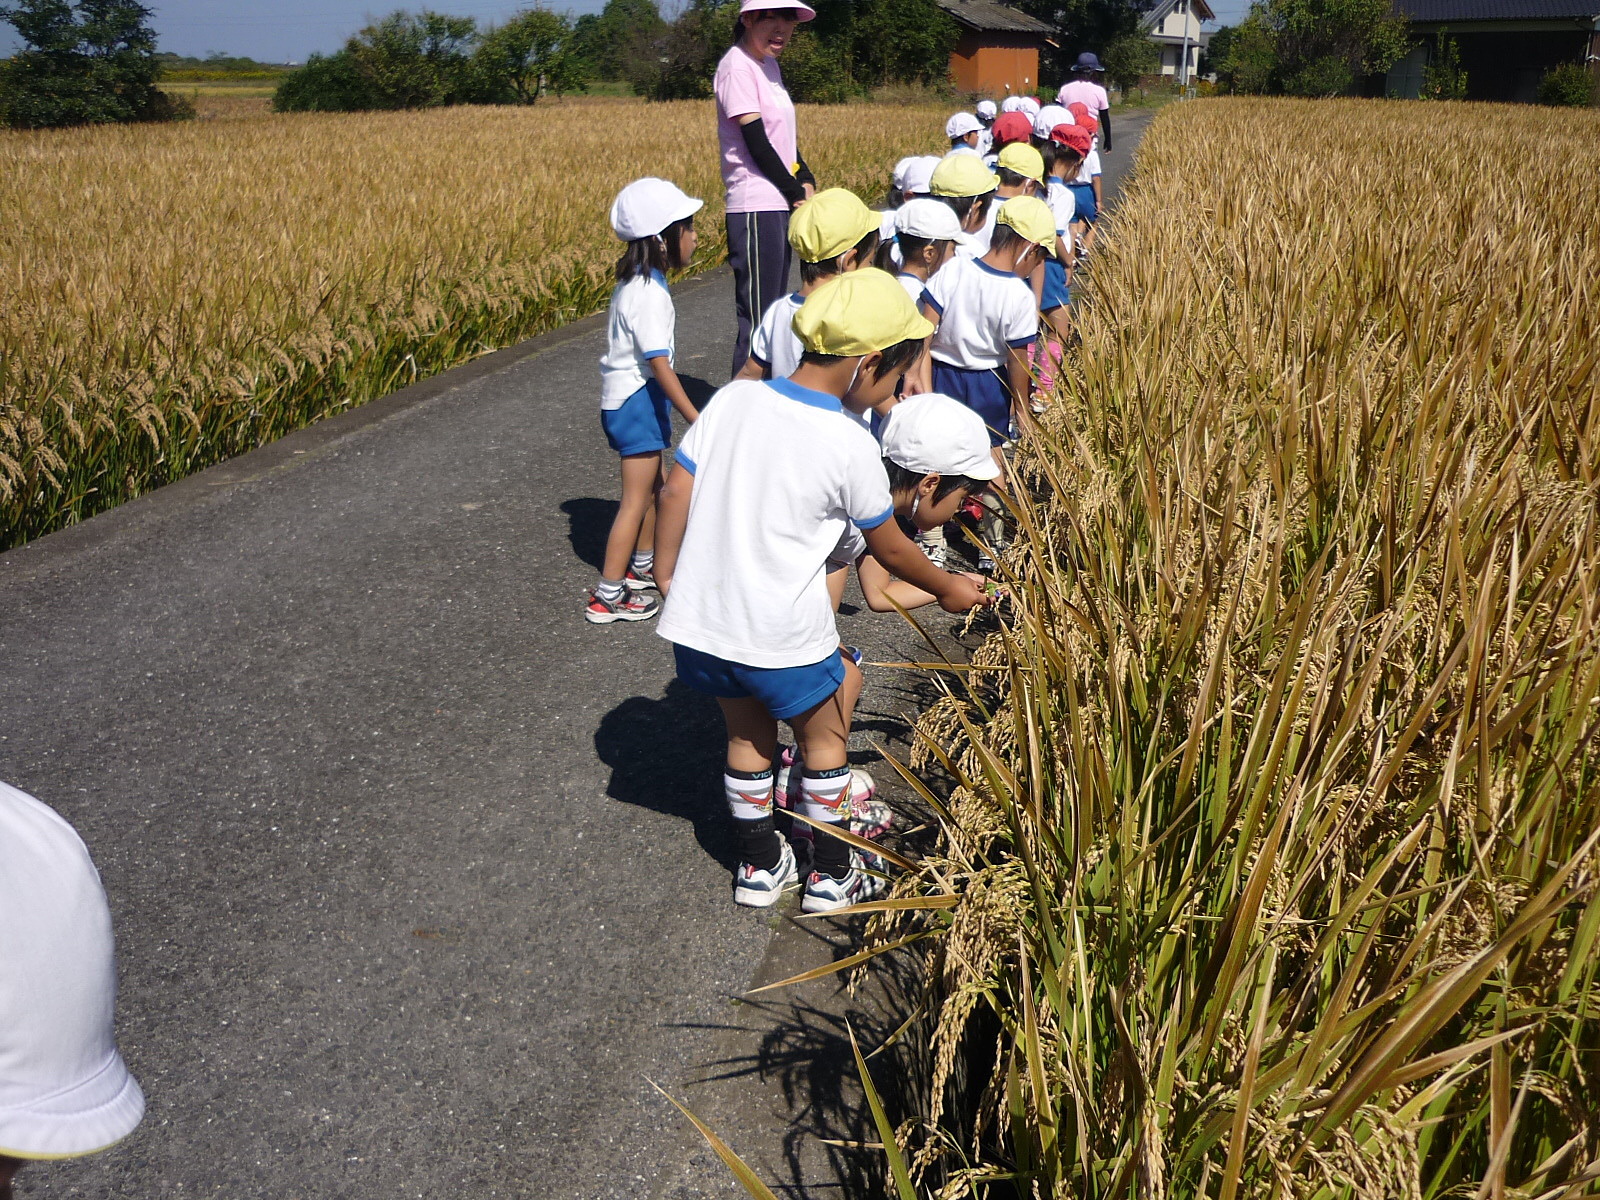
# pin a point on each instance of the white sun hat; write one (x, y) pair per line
(1049, 117)
(961, 124)
(927, 218)
(647, 206)
(899, 176)
(1030, 105)
(1012, 104)
(986, 110)
(64, 1089)
(936, 434)
(919, 175)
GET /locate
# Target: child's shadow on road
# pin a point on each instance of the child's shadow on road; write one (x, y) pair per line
(666, 755)
(588, 525)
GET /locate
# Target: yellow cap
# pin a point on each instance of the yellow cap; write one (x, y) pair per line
(1032, 218)
(858, 313)
(1023, 159)
(962, 175)
(829, 223)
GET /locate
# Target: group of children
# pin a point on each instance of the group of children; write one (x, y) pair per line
(875, 406)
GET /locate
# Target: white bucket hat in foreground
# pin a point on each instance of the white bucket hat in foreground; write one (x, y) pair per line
(962, 124)
(937, 435)
(927, 218)
(1049, 117)
(647, 206)
(64, 1090)
(919, 175)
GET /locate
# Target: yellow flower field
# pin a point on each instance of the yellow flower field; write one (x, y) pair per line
(174, 295)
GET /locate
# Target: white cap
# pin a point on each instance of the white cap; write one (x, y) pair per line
(962, 124)
(927, 218)
(647, 206)
(919, 175)
(899, 176)
(1011, 104)
(64, 1089)
(1030, 106)
(937, 435)
(987, 110)
(1049, 117)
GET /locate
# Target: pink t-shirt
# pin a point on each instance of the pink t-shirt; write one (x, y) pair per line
(1081, 91)
(743, 85)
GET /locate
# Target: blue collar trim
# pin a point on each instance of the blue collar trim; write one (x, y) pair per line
(797, 297)
(996, 270)
(787, 387)
(659, 278)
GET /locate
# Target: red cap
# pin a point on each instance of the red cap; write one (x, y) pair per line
(1011, 127)
(1087, 121)
(1074, 137)
(1078, 109)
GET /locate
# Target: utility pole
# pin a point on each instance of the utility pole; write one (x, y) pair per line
(1183, 65)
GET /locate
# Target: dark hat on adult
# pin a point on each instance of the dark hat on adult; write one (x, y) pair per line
(1087, 62)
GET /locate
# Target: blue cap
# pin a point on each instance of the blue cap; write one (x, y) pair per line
(1087, 62)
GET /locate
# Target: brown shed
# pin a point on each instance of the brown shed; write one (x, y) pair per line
(997, 53)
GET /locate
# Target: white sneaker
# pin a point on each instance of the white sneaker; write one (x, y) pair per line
(762, 889)
(824, 893)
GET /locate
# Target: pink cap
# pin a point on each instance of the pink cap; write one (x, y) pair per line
(801, 11)
(1078, 109)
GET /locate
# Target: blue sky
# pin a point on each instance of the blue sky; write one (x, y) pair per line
(288, 30)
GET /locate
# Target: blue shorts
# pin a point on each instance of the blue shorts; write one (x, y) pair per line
(785, 691)
(643, 423)
(1056, 292)
(984, 392)
(1088, 210)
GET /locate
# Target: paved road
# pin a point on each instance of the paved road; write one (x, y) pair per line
(417, 878)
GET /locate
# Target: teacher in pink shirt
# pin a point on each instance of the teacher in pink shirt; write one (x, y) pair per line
(761, 165)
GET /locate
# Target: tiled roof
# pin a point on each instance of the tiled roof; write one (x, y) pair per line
(991, 17)
(1497, 10)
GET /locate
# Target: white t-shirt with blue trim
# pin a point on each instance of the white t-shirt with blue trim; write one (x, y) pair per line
(773, 343)
(1090, 167)
(640, 326)
(983, 313)
(750, 585)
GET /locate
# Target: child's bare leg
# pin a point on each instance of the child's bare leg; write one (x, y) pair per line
(838, 576)
(747, 780)
(823, 736)
(641, 480)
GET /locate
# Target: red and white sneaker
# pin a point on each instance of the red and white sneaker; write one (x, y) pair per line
(640, 581)
(632, 606)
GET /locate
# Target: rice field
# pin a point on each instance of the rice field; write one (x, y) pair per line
(1269, 858)
(171, 296)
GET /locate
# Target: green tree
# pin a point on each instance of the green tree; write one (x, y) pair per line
(416, 60)
(1129, 59)
(1568, 85)
(532, 54)
(1249, 60)
(610, 42)
(93, 62)
(900, 41)
(327, 83)
(1443, 78)
(1324, 45)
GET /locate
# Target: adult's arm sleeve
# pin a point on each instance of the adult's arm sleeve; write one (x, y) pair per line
(766, 158)
(1105, 127)
(802, 172)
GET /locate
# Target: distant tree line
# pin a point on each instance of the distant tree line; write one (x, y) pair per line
(87, 63)
(1308, 47)
(430, 59)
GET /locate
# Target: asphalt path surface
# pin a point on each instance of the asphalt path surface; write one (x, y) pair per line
(418, 879)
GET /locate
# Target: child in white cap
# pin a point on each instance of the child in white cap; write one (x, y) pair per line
(742, 555)
(638, 387)
(64, 1090)
(936, 455)
(925, 234)
(965, 132)
(986, 111)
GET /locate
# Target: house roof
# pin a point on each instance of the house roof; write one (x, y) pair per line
(988, 16)
(1154, 16)
(1497, 10)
